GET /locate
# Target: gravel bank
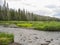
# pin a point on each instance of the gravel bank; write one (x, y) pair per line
(33, 37)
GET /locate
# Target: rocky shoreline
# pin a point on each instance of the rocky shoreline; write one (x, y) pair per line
(32, 37)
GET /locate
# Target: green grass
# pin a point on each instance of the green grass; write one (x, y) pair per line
(48, 26)
(37, 25)
(25, 25)
(5, 38)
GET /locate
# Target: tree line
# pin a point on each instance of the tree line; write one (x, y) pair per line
(7, 14)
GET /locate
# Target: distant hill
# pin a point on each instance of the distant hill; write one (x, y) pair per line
(45, 18)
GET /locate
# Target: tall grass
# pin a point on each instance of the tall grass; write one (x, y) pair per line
(5, 38)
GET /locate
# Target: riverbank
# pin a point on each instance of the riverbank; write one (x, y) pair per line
(33, 37)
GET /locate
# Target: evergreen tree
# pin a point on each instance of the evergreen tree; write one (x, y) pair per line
(7, 14)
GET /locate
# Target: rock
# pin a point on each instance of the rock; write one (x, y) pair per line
(45, 43)
(30, 41)
(13, 26)
(20, 34)
(51, 39)
(34, 34)
(48, 41)
(36, 37)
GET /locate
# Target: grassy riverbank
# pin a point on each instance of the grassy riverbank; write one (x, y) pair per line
(5, 38)
(38, 25)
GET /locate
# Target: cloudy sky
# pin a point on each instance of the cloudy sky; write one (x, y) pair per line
(42, 7)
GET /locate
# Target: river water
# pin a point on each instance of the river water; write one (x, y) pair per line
(33, 37)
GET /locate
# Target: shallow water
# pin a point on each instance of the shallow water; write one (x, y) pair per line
(33, 37)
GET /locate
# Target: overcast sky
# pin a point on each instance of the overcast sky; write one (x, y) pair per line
(42, 7)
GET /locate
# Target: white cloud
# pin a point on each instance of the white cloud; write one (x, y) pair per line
(43, 7)
(1, 2)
